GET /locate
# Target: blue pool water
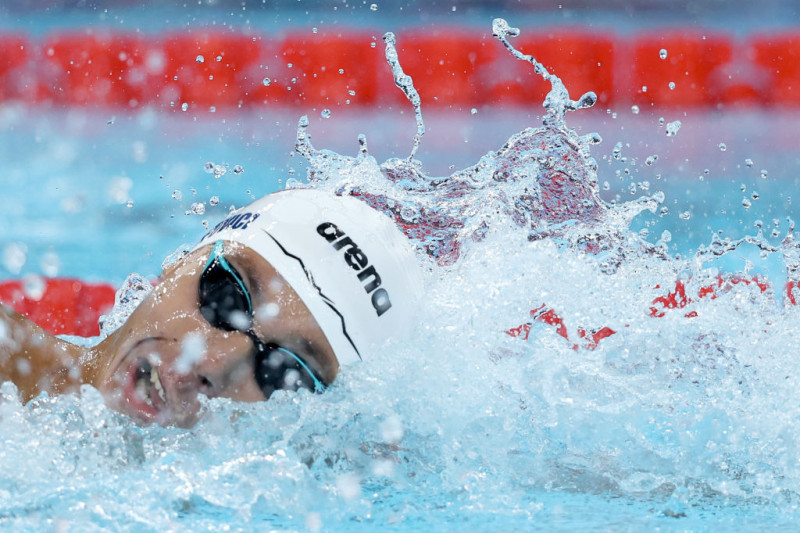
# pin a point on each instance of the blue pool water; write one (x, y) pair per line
(672, 424)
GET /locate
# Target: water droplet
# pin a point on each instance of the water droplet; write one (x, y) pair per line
(606, 186)
(662, 53)
(351, 92)
(755, 195)
(686, 215)
(763, 174)
(373, 7)
(184, 106)
(616, 152)
(746, 203)
(177, 195)
(214, 200)
(314, 30)
(661, 122)
(723, 147)
(238, 169)
(673, 127)
(197, 208)
(209, 167)
(749, 163)
(325, 113)
(672, 86)
(50, 264)
(644, 88)
(473, 111)
(219, 58)
(266, 82)
(742, 187)
(341, 71)
(200, 59)
(635, 109)
(14, 257)
(130, 203)
(651, 160)
(219, 171)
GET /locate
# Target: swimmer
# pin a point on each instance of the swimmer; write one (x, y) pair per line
(278, 296)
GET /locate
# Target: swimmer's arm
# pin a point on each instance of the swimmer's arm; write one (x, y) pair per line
(35, 360)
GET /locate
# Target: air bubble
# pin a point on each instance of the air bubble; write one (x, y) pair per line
(723, 147)
(672, 86)
(177, 195)
(238, 169)
(200, 59)
(184, 106)
(749, 163)
(635, 109)
(763, 174)
(266, 82)
(746, 203)
(214, 200)
(651, 160)
(686, 215)
(662, 53)
(373, 7)
(209, 167)
(325, 113)
(219, 171)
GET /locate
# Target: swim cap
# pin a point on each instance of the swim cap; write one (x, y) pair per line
(354, 270)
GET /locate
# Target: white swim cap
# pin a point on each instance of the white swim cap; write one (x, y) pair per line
(352, 267)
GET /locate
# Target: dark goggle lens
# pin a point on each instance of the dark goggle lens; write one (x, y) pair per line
(225, 304)
(223, 301)
(277, 369)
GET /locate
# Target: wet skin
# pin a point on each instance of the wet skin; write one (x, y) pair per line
(166, 356)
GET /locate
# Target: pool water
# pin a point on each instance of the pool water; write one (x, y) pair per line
(672, 423)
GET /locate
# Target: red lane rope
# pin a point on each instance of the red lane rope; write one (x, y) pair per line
(457, 67)
(62, 306)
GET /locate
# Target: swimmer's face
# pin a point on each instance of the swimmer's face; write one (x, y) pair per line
(172, 349)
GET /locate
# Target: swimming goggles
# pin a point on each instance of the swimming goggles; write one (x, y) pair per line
(225, 303)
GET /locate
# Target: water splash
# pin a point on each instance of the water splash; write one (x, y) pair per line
(543, 179)
(406, 84)
(557, 102)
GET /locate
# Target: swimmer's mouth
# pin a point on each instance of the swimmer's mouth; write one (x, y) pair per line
(146, 393)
